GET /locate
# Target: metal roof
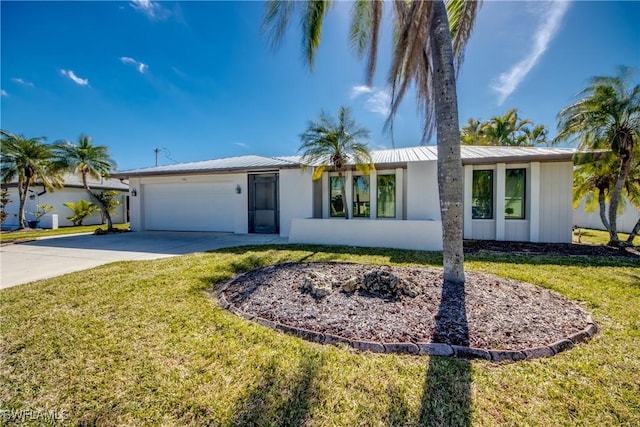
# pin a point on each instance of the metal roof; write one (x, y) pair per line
(75, 181)
(502, 154)
(228, 164)
(470, 155)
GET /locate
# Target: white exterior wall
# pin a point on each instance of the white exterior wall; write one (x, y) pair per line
(135, 205)
(216, 200)
(556, 195)
(423, 197)
(57, 199)
(548, 199)
(296, 197)
(625, 222)
(417, 235)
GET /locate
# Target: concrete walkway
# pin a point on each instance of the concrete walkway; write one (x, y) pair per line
(41, 259)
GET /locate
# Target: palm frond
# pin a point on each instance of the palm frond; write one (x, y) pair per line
(312, 20)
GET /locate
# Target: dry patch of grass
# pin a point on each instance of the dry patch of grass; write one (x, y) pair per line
(142, 343)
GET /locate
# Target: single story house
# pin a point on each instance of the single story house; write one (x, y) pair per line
(510, 193)
(72, 191)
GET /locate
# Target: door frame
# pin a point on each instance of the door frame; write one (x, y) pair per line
(252, 178)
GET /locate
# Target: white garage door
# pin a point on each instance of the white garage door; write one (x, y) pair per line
(189, 206)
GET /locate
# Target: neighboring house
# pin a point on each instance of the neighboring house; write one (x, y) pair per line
(71, 192)
(510, 193)
(625, 222)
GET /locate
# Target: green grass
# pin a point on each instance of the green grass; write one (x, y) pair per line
(597, 237)
(30, 234)
(143, 343)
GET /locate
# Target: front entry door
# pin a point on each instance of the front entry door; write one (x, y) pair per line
(263, 203)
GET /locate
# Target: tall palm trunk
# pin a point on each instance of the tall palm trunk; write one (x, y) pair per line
(343, 193)
(23, 191)
(602, 203)
(633, 234)
(97, 201)
(625, 165)
(449, 160)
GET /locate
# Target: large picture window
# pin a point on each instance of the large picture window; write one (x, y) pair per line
(514, 193)
(336, 205)
(482, 195)
(386, 196)
(361, 198)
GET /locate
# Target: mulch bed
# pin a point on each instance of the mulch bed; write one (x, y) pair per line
(548, 249)
(489, 312)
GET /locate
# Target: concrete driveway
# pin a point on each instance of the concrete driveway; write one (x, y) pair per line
(41, 259)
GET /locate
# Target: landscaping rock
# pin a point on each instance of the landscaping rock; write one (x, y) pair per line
(317, 285)
(351, 285)
(388, 284)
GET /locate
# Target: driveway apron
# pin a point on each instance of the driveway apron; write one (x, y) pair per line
(45, 258)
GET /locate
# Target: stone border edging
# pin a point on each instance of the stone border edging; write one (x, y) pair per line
(428, 349)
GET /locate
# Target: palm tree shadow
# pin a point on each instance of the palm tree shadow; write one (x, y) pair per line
(446, 398)
(270, 403)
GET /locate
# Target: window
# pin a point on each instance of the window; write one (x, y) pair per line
(361, 200)
(482, 195)
(386, 196)
(336, 206)
(514, 201)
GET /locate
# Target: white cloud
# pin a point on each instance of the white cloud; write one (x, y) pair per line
(377, 100)
(356, 91)
(139, 65)
(152, 9)
(22, 82)
(76, 79)
(3, 92)
(241, 144)
(549, 16)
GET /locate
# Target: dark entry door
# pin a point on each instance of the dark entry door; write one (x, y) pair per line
(263, 203)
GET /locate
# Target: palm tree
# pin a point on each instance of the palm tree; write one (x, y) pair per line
(428, 45)
(534, 136)
(327, 143)
(607, 115)
(594, 178)
(509, 129)
(88, 161)
(30, 160)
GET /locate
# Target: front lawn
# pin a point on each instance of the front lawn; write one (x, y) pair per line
(31, 234)
(142, 343)
(597, 237)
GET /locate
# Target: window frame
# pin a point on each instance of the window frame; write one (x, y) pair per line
(331, 214)
(355, 177)
(491, 195)
(395, 194)
(523, 195)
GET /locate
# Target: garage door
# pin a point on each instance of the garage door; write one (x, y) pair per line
(189, 206)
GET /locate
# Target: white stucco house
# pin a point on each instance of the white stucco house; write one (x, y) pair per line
(72, 191)
(510, 193)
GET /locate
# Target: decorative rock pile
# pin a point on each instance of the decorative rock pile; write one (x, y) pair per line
(377, 282)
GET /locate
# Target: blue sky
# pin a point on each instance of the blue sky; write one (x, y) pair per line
(198, 79)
